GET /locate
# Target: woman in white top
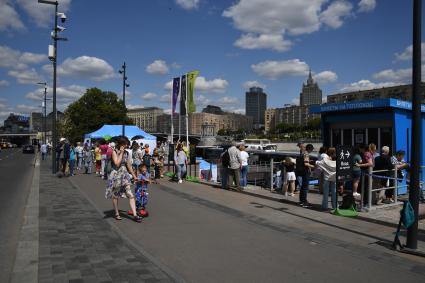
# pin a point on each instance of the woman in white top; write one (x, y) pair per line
(244, 166)
(328, 167)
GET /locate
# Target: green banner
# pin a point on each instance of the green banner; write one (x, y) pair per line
(191, 78)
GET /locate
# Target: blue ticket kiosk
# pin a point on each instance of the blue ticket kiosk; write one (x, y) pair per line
(382, 122)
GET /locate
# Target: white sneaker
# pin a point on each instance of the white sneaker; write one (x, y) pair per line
(180, 181)
(356, 195)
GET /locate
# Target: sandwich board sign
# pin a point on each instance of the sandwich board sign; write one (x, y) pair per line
(344, 163)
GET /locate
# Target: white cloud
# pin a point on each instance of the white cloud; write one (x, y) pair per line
(64, 93)
(406, 55)
(29, 76)
(15, 59)
(364, 85)
(188, 4)
(295, 101)
(42, 14)
(134, 106)
(203, 85)
(248, 84)
(263, 41)
(226, 100)
(4, 83)
(202, 100)
(158, 67)
(278, 69)
(165, 98)
(325, 77)
(167, 111)
(9, 18)
(27, 108)
(334, 15)
(400, 75)
(367, 5)
(215, 85)
(267, 22)
(149, 96)
(86, 67)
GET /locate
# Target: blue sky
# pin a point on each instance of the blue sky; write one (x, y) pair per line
(349, 45)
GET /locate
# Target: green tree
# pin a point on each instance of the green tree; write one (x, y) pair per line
(221, 132)
(94, 109)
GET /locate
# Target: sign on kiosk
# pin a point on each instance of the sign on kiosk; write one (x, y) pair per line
(344, 163)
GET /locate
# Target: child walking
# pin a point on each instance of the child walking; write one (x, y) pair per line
(141, 190)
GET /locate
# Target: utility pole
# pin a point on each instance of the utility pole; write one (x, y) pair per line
(414, 187)
(124, 86)
(53, 58)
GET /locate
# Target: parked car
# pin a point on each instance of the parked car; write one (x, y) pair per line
(28, 149)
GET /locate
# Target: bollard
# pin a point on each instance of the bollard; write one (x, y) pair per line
(362, 190)
(395, 185)
(271, 174)
(370, 188)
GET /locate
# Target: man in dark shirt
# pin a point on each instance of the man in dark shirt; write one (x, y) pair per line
(382, 163)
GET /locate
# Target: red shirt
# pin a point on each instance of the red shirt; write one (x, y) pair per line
(103, 148)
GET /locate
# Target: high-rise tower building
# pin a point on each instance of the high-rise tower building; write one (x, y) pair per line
(255, 105)
(311, 93)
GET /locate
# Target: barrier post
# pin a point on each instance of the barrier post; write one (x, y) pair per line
(271, 174)
(369, 201)
(361, 191)
(395, 185)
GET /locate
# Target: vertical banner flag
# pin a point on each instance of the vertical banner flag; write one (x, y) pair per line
(183, 96)
(191, 78)
(176, 90)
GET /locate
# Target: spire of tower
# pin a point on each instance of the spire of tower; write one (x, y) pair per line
(310, 78)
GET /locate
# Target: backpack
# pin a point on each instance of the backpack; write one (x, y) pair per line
(136, 159)
(225, 159)
(300, 169)
(407, 214)
(348, 202)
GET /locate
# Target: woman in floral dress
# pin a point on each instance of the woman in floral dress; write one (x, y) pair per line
(119, 181)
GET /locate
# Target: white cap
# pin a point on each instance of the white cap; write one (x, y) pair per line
(62, 139)
(112, 144)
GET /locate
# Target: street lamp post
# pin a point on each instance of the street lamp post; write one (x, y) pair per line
(124, 86)
(44, 112)
(53, 58)
(412, 231)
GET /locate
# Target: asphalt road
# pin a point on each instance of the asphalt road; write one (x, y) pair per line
(210, 235)
(16, 171)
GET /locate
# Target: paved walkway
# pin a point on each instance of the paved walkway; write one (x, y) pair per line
(77, 245)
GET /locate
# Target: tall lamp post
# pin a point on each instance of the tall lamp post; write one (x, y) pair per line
(412, 231)
(124, 86)
(53, 58)
(44, 111)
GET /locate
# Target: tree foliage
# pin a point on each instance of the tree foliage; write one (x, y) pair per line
(94, 109)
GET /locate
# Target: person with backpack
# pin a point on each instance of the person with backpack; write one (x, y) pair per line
(224, 172)
(180, 159)
(235, 166)
(303, 172)
(328, 168)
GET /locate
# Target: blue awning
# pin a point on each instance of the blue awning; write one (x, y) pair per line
(116, 130)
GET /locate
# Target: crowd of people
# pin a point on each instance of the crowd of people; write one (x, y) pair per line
(120, 163)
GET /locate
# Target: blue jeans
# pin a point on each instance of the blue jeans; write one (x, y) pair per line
(303, 182)
(328, 185)
(181, 171)
(244, 173)
(224, 175)
(71, 167)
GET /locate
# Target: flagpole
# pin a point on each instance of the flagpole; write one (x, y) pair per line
(172, 115)
(187, 117)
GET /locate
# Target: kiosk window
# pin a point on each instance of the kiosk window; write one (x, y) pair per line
(348, 135)
(336, 137)
(387, 138)
(373, 136)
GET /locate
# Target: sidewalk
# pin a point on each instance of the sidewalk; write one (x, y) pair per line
(386, 216)
(77, 245)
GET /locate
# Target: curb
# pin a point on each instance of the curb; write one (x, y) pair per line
(170, 273)
(25, 267)
(359, 217)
